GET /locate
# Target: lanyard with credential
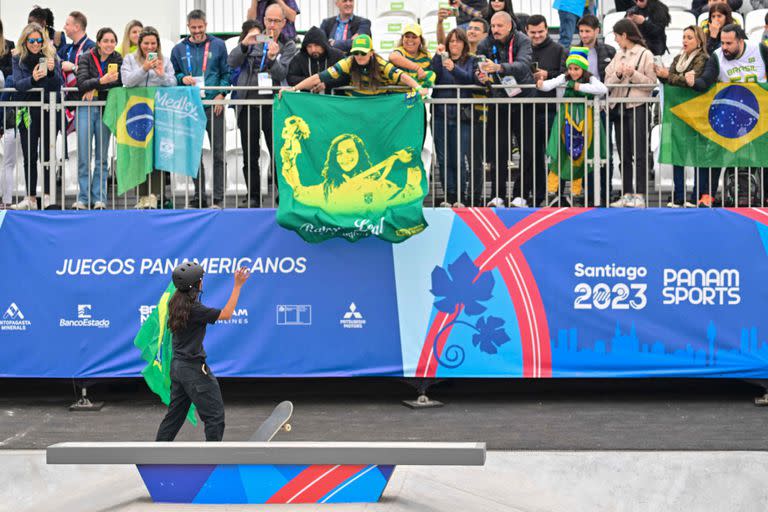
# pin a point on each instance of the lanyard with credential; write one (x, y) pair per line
(510, 54)
(263, 57)
(77, 53)
(205, 58)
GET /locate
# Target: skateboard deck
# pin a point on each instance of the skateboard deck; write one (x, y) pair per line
(276, 421)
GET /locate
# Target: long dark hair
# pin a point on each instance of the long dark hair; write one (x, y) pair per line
(179, 307)
(488, 13)
(659, 12)
(355, 74)
(332, 172)
(627, 27)
(723, 9)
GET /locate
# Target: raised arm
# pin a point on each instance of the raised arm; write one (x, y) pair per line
(241, 276)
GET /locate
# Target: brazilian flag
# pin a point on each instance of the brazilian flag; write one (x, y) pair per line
(130, 116)
(154, 341)
(726, 126)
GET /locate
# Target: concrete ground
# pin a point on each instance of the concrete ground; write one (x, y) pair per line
(510, 481)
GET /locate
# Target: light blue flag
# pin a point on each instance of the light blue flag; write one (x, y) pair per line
(179, 129)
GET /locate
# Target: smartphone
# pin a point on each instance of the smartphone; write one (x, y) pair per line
(151, 56)
(263, 38)
(112, 68)
(444, 55)
(657, 60)
(534, 67)
(42, 63)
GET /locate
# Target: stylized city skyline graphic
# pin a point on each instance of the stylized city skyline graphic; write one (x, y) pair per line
(626, 349)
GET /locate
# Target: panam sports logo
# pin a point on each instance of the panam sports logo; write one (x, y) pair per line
(13, 319)
(353, 319)
(136, 125)
(84, 319)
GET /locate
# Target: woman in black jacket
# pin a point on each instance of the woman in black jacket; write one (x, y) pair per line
(98, 71)
(8, 126)
(652, 18)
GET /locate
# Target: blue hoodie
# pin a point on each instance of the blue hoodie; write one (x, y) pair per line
(217, 70)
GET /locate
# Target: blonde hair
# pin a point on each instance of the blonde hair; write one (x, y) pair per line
(127, 36)
(147, 32)
(47, 47)
(699, 35)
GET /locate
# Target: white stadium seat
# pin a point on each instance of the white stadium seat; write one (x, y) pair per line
(405, 8)
(754, 24)
(678, 5)
(610, 20)
(386, 33)
(429, 24)
(680, 20)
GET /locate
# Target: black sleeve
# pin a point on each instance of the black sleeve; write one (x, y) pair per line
(295, 74)
(205, 314)
(563, 57)
(708, 76)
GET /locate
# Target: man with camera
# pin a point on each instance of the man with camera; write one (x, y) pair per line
(506, 62)
(201, 60)
(264, 60)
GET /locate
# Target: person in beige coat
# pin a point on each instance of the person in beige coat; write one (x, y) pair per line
(632, 66)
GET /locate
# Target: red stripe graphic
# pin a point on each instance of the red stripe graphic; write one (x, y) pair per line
(757, 214)
(503, 252)
(313, 483)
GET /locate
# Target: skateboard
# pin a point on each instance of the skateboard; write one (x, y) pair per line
(277, 421)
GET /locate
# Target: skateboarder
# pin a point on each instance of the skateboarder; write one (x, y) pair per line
(192, 381)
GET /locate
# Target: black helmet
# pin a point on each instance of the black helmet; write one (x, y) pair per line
(186, 275)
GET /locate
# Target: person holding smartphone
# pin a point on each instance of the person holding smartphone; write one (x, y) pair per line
(548, 62)
(35, 66)
(192, 380)
(147, 67)
(97, 72)
(263, 60)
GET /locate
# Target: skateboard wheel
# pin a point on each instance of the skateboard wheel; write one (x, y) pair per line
(287, 427)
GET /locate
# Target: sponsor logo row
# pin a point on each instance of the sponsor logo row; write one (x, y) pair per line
(13, 319)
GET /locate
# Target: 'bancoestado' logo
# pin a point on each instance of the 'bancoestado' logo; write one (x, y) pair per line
(84, 319)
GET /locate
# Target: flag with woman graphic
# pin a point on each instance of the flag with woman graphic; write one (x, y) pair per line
(350, 167)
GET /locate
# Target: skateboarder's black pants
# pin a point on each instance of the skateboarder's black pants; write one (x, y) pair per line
(191, 385)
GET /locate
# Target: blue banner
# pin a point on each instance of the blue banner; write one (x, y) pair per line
(481, 293)
(179, 129)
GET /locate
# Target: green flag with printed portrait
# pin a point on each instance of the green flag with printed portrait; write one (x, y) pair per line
(350, 167)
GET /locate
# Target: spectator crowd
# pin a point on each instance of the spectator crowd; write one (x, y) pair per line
(493, 53)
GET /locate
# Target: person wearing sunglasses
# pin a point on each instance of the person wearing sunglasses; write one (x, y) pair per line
(35, 66)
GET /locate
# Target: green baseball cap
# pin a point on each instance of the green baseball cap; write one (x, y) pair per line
(362, 44)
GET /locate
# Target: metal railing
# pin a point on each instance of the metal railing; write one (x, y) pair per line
(478, 151)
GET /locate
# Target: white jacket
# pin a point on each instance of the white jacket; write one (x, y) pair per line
(133, 74)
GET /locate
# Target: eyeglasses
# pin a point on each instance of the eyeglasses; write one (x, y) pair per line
(33, 40)
(273, 21)
(474, 29)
